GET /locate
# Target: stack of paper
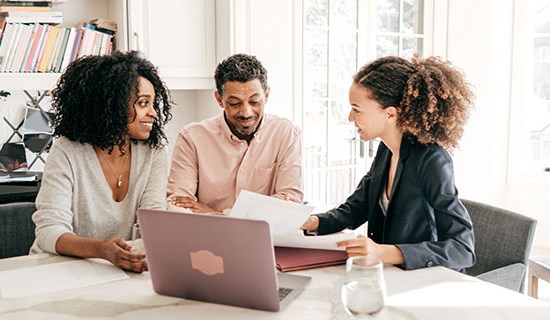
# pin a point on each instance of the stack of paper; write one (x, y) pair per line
(293, 250)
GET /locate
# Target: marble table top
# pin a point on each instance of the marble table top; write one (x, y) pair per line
(431, 293)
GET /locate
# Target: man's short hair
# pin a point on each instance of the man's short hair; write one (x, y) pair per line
(242, 68)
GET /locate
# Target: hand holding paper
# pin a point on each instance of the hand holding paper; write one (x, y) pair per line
(284, 217)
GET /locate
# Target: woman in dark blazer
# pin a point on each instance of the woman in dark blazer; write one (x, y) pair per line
(415, 219)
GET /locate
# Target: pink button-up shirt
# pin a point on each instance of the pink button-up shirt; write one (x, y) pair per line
(212, 165)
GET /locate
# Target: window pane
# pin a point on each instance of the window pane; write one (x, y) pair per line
(316, 12)
(343, 13)
(412, 16)
(316, 63)
(411, 46)
(314, 133)
(341, 135)
(387, 46)
(388, 16)
(343, 61)
(538, 119)
(314, 137)
(341, 153)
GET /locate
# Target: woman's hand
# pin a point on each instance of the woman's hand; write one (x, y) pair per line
(363, 246)
(119, 253)
(191, 204)
(311, 224)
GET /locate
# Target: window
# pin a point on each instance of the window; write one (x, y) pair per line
(339, 36)
(530, 115)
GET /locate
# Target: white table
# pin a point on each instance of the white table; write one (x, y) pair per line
(433, 293)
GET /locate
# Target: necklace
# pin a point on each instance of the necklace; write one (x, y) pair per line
(118, 176)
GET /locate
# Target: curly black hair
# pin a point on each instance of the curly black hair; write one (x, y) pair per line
(242, 68)
(92, 98)
(432, 97)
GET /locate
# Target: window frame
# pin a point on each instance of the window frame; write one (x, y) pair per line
(434, 34)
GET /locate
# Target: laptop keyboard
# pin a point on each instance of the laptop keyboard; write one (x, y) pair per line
(283, 292)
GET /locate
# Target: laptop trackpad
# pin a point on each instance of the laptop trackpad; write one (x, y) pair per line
(290, 285)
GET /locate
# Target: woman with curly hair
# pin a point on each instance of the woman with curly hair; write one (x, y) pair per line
(415, 219)
(107, 159)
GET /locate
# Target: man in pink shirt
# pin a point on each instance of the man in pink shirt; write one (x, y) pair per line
(243, 148)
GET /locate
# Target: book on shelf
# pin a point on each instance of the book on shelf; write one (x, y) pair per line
(10, 7)
(62, 50)
(57, 49)
(32, 14)
(103, 25)
(42, 45)
(71, 41)
(26, 66)
(21, 47)
(29, 47)
(26, 4)
(36, 49)
(7, 37)
(48, 49)
(13, 45)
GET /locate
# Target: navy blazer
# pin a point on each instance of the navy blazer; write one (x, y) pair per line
(425, 218)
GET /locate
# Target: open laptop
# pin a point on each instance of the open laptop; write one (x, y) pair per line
(215, 258)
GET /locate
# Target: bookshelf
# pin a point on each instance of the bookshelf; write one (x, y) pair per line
(74, 11)
(178, 36)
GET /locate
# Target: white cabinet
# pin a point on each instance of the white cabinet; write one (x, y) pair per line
(178, 36)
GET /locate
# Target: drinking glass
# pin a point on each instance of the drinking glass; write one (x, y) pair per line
(364, 288)
(137, 242)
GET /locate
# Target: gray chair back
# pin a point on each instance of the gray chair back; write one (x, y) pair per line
(16, 228)
(503, 242)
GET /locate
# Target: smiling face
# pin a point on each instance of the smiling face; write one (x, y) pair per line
(142, 114)
(371, 120)
(243, 104)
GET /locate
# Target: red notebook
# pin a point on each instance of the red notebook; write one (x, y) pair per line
(292, 259)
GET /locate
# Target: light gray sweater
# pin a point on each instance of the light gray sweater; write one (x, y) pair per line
(75, 196)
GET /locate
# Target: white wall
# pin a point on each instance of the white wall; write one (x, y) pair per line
(482, 49)
(480, 41)
(189, 106)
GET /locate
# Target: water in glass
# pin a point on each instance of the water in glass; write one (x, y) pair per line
(364, 290)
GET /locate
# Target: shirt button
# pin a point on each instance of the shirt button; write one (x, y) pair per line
(429, 264)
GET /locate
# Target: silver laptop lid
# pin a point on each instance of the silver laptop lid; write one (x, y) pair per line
(210, 258)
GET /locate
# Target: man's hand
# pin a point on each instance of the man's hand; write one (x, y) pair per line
(191, 204)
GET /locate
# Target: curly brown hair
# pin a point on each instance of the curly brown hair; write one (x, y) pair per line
(92, 97)
(432, 97)
(241, 68)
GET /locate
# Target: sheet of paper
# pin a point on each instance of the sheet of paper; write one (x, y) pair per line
(284, 217)
(299, 240)
(23, 282)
